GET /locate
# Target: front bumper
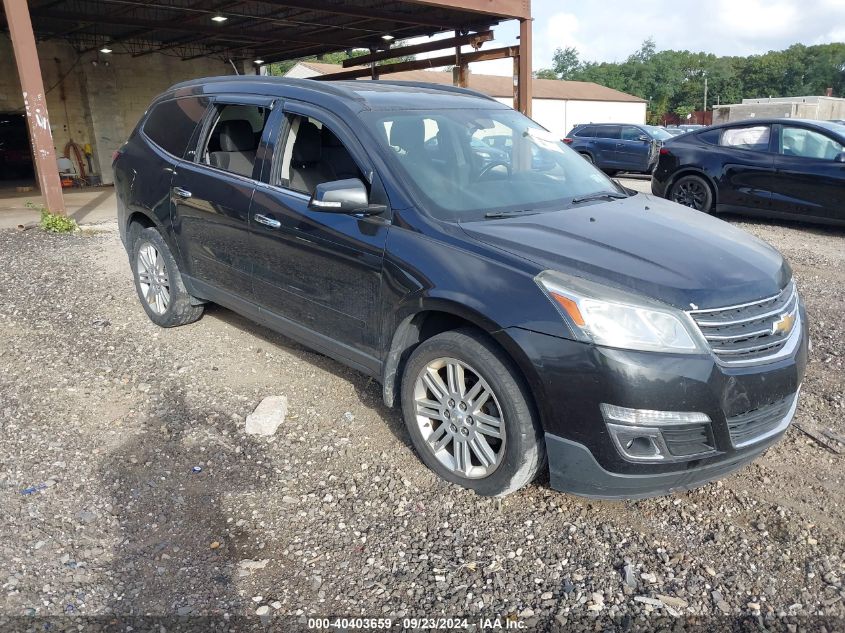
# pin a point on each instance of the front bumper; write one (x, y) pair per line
(571, 380)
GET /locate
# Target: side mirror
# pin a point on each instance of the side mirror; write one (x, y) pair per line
(644, 137)
(840, 157)
(343, 196)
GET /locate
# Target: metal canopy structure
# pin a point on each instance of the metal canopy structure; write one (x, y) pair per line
(246, 30)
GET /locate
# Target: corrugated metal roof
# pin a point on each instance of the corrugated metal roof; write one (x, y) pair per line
(499, 86)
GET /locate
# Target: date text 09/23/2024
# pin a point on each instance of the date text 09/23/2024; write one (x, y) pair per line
(440, 623)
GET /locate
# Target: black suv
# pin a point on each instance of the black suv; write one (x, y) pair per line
(521, 310)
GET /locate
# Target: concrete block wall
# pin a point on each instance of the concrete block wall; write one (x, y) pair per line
(102, 102)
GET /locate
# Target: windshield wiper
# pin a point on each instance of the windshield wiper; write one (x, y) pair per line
(509, 214)
(600, 195)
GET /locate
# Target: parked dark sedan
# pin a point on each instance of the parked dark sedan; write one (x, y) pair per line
(788, 168)
(518, 312)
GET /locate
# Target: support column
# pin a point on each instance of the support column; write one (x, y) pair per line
(524, 73)
(460, 73)
(35, 103)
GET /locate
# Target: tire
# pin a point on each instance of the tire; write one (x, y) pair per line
(588, 158)
(158, 281)
(692, 191)
(513, 459)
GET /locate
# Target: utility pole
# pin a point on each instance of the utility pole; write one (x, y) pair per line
(705, 93)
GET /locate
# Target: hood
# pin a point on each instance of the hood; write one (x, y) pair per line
(649, 245)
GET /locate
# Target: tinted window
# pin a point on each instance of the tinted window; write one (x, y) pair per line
(710, 136)
(232, 143)
(797, 141)
(755, 138)
(631, 133)
(171, 124)
(608, 131)
(586, 131)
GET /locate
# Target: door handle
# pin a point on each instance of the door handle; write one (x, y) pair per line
(182, 193)
(273, 223)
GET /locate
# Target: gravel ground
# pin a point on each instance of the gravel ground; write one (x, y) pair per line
(129, 487)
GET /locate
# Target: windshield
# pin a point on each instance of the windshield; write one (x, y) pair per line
(658, 132)
(466, 164)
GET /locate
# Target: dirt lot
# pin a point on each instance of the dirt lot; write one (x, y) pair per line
(128, 486)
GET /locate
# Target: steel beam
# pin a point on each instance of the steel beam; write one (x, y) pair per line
(421, 64)
(35, 103)
(424, 47)
(520, 9)
(524, 74)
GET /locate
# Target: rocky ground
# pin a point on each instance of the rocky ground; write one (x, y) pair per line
(129, 487)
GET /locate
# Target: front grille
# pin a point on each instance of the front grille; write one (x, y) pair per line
(692, 439)
(750, 332)
(752, 426)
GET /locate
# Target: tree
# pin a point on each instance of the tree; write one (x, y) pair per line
(673, 81)
(565, 63)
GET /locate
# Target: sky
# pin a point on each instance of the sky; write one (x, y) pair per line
(610, 30)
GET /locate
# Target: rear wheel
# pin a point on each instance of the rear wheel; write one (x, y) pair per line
(469, 415)
(588, 158)
(692, 191)
(159, 283)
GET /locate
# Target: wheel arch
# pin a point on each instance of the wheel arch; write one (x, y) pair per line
(432, 320)
(141, 219)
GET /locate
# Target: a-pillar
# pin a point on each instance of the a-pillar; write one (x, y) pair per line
(35, 103)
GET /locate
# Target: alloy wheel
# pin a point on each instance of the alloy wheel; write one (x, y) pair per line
(690, 193)
(152, 278)
(459, 418)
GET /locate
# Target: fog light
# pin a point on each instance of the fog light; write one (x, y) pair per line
(646, 435)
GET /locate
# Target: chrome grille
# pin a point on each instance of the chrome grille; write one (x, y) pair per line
(753, 426)
(750, 332)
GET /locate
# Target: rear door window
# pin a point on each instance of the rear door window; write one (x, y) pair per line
(753, 137)
(609, 131)
(234, 137)
(171, 124)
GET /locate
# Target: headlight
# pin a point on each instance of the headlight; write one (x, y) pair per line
(615, 318)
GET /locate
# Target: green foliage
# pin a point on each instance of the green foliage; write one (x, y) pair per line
(565, 63)
(52, 222)
(673, 81)
(280, 68)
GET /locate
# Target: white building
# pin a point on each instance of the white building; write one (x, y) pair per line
(557, 105)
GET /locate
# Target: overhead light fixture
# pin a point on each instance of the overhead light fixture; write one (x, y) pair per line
(105, 49)
(219, 18)
(258, 61)
(387, 37)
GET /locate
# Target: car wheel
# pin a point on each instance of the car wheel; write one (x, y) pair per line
(588, 158)
(692, 191)
(470, 415)
(159, 283)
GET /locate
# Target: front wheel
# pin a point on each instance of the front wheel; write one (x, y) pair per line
(693, 192)
(470, 415)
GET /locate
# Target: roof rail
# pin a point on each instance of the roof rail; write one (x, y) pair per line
(433, 86)
(327, 87)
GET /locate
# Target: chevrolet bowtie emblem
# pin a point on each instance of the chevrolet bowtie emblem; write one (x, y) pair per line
(784, 324)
